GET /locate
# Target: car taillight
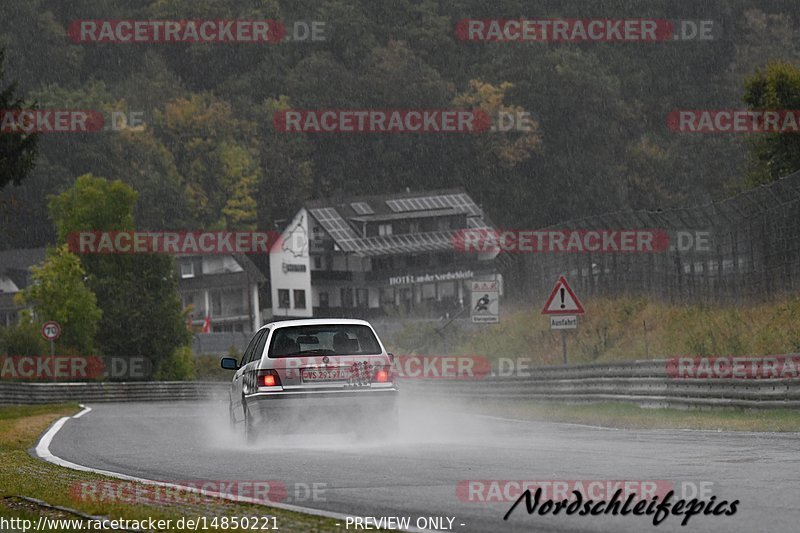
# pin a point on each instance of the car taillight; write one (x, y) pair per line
(381, 376)
(268, 378)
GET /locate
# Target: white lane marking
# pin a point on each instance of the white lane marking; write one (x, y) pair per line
(85, 410)
(43, 452)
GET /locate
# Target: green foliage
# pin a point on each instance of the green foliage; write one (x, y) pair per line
(426, 338)
(614, 330)
(178, 366)
(776, 87)
(209, 369)
(137, 293)
(17, 150)
(92, 204)
(24, 338)
(216, 157)
(59, 293)
(208, 155)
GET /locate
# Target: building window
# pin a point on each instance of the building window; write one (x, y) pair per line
(198, 302)
(283, 298)
(216, 303)
(362, 298)
(384, 229)
(387, 296)
(382, 263)
(318, 262)
(299, 299)
(428, 291)
(443, 224)
(187, 269)
(413, 226)
(323, 299)
(447, 289)
(234, 302)
(347, 297)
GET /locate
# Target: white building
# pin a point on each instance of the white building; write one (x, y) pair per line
(378, 255)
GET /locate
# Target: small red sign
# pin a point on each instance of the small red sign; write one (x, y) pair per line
(51, 330)
(562, 300)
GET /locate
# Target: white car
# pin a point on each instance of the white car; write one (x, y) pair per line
(337, 368)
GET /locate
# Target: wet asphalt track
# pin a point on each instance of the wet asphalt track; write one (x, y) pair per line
(417, 474)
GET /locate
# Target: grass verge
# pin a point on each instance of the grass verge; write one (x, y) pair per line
(23, 475)
(631, 416)
(619, 329)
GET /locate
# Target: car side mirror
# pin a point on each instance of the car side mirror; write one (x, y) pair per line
(229, 363)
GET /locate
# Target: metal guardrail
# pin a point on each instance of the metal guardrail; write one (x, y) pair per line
(140, 391)
(643, 382)
(647, 383)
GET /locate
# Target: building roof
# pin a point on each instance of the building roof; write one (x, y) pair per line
(20, 259)
(16, 264)
(244, 261)
(335, 216)
(250, 268)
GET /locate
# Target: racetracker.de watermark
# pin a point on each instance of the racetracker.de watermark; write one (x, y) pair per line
(734, 120)
(530, 241)
(381, 121)
(400, 366)
(766, 367)
(197, 491)
(563, 30)
(580, 241)
(175, 31)
(509, 490)
(74, 367)
(172, 242)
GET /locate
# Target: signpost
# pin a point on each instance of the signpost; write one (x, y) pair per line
(485, 302)
(51, 330)
(562, 305)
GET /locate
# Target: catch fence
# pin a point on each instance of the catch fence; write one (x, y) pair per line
(746, 247)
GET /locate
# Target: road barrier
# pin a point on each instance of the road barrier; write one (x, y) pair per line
(140, 391)
(646, 383)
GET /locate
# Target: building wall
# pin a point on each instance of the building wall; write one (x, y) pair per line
(291, 252)
(220, 288)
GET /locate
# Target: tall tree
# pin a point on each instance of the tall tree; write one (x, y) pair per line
(138, 292)
(59, 293)
(774, 155)
(17, 150)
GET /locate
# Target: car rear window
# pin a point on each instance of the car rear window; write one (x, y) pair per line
(335, 339)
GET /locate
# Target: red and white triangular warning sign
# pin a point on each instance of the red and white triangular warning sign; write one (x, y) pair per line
(562, 300)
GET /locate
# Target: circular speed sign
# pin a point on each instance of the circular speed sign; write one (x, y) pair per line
(51, 330)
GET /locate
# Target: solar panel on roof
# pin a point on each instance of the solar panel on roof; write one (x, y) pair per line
(362, 208)
(461, 202)
(339, 230)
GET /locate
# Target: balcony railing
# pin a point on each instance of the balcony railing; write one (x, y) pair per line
(331, 275)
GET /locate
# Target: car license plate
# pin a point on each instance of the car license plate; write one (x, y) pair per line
(333, 374)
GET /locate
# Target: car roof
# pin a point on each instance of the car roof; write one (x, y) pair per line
(316, 322)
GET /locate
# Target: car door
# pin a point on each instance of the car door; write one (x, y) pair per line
(250, 367)
(238, 379)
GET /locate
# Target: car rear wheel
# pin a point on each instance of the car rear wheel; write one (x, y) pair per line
(250, 433)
